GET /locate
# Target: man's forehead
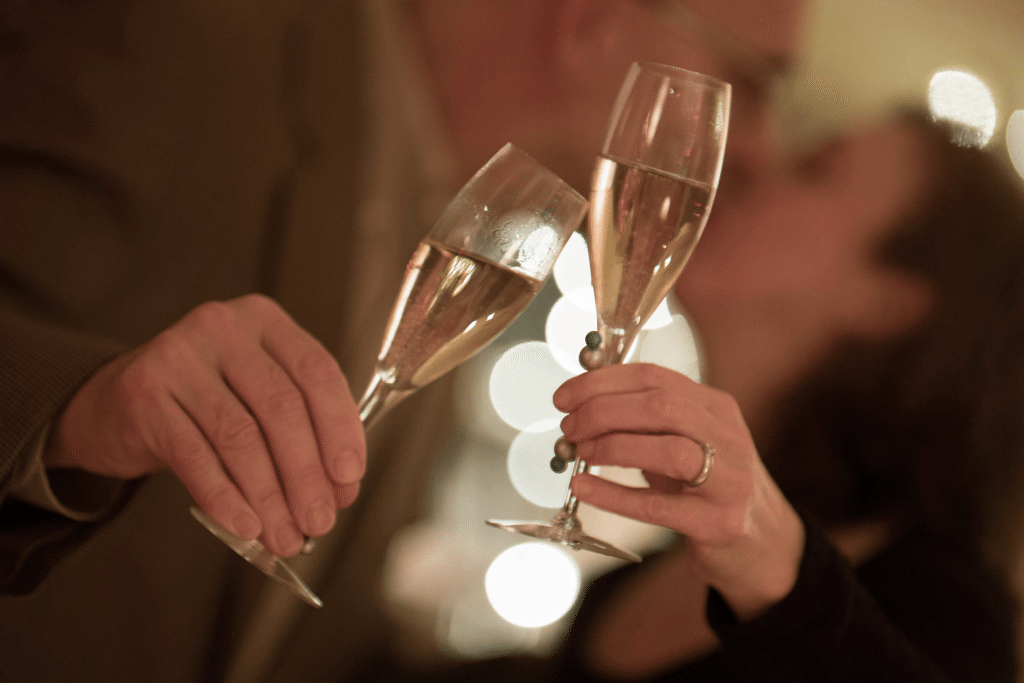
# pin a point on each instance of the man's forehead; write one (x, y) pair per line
(751, 41)
(768, 27)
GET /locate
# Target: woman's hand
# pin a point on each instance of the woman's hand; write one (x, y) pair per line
(249, 411)
(744, 536)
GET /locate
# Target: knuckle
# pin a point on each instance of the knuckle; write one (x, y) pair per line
(139, 381)
(269, 497)
(656, 508)
(259, 306)
(308, 478)
(725, 402)
(238, 432)
(589, 414)
(672, 453)
(611, 445)
(219, 497)
(650, 374)
(257, 301)
(317, 367)
(285, 402)
(660, 405)
(603, 449)
(185, 453)
(214, 315)
(733, 525)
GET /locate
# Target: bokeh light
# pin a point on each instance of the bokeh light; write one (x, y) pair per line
(660, 318)
(1015, 140)
(530, 472)
(532, 584)
(523, 380)
(965, 101)
(566, 327)
(672, 346)
(572, 269)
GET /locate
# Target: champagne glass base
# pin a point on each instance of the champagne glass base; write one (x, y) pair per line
(258, 556)
(567, 531)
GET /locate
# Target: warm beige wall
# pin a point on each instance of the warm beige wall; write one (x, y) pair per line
(859, 55)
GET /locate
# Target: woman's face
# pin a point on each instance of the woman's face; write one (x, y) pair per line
(786, 264)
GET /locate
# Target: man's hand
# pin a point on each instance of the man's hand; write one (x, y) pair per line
(249, 411)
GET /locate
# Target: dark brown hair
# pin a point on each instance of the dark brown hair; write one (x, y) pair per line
(928, 427)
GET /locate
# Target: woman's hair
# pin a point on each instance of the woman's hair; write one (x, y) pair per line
(931, 426)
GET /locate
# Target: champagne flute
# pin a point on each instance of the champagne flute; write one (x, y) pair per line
(481, 264)
(651, 193)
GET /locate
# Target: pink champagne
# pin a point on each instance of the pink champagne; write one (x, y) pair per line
(643, 226)
(450, 306)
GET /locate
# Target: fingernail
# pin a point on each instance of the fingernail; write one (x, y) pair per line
(346, 468)
(288, 539)
(246, 526)
(345, 495)
(320, 518)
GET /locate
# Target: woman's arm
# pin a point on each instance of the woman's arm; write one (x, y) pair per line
(784, 604)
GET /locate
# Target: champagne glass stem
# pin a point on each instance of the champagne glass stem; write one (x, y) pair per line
(571, 502)
(380, 396)
(617, 344)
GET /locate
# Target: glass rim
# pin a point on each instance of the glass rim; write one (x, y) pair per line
(512, 149)
(680, 73)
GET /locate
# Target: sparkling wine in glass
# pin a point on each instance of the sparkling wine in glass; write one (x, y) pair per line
(650, 196)
(482, 263)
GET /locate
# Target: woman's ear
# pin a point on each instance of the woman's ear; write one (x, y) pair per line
(891, 303)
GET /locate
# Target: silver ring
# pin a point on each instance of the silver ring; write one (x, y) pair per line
(705, 470)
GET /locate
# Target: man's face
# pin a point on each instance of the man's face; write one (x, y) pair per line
(595, 54)
(544, 74)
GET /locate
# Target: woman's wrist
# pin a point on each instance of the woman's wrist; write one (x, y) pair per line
(769, 570)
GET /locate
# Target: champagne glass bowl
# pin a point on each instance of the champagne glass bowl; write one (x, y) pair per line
(480, 265)
(651, 192)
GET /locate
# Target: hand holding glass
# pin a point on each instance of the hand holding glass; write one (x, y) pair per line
(483, 261)
(650, 196)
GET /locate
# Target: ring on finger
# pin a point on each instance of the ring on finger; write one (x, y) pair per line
(705, 469)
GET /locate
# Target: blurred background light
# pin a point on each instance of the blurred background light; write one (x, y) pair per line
(852, 66)
(522, 382)
(572, 269)
(660, 318)
(1015, 140)
(532, 584)
(530, 472)
(565, 329)
(672, 346)
(964, 100)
